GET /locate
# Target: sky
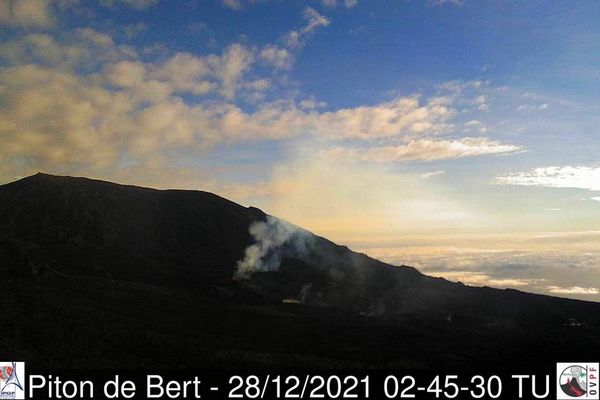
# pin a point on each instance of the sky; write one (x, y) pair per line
(458, 136)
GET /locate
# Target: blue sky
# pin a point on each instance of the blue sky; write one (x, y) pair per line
(459, 136)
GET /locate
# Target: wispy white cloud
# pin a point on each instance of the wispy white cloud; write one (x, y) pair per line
(334, 3)
(458, 86)
(472, 94)
(481, 279)
(475, 125)
(283, 55)
(428, 150)
(431, 174)
(578, 290)
(580, 177)
(297, 38)
(532, 107)
(458, 3)
(136, 4)
(238, 5)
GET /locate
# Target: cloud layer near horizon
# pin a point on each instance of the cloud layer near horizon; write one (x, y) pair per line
(577, 177)
(558, 263)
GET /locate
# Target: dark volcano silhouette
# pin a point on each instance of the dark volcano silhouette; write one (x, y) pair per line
(96, 274)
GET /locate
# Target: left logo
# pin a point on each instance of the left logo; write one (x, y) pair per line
(12, 380)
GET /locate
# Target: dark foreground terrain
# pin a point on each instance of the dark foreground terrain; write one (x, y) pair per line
(99, 275)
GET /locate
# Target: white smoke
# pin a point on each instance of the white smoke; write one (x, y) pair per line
(304, 292)
(274, 239)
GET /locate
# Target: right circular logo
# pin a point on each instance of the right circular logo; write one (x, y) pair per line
(573, 381)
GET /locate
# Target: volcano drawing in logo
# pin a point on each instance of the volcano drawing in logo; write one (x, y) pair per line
(573, 381)
(10, 384)
(578, 380)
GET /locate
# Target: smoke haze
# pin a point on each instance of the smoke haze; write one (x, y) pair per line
(274, 240)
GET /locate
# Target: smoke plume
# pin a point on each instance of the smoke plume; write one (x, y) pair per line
(274, 240)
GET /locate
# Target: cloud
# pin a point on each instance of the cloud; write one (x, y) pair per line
(133, 30)
(458, 86)
(475, 96)
(84, 49)
(403, 115)
(580, 177)
(83, 103)
(89, 49)
(431, 174)
(26, 13)
(457, 3)
(297, 38)
(138, 105)
(114, 108)
(595, 198)
(186, 73)
(136, 4)
(238, 5)
(475, 125)
(232, 4)
(285, 119)
(314, 19)
(235, 60)
(482, 103)
(536, 262)
(277, 56)
(428, 150)
(481, 279)
(282, 57)
(52, 117)
(532, 107)
(334, 3)
(574, 290)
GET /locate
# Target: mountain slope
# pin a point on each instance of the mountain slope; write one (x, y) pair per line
(104, 274)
